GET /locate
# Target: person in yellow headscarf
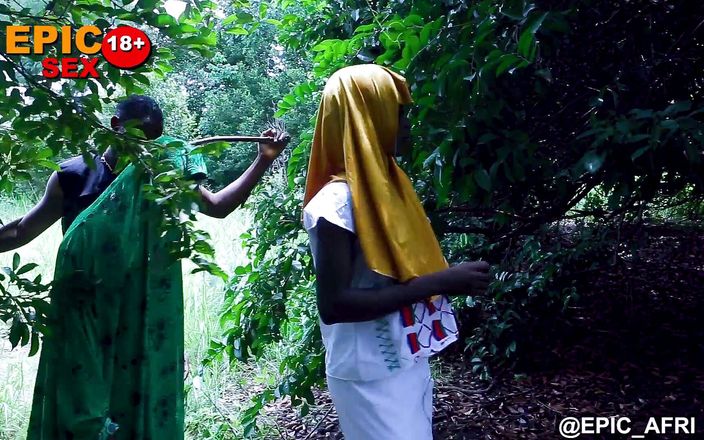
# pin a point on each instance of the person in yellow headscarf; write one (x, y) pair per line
(382, 281)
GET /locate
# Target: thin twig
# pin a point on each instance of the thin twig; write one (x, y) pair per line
(209, 140)
(319, 422)
(222, 414)
(282, 434)
(466, 392)
(550, 408)
(683, 34)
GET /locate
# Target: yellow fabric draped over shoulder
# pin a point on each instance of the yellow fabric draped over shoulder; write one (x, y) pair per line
(355, 136)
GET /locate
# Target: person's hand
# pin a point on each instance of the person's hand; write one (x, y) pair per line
(471, 278)
(271, 151)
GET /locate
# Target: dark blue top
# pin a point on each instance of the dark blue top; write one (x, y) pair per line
(81, 185)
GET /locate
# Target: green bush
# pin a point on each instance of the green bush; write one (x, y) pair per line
(534, 121)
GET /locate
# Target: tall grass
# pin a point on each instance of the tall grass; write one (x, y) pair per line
(207, 416)
(210, 412)
(17, 370)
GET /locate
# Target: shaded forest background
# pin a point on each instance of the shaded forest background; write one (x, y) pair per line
(562, 141)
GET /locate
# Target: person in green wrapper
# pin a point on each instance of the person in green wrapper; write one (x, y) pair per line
(112, 365)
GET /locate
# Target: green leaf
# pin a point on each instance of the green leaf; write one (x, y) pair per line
(26, 268)
(187, 28)
(365, 28)
(413, 44)
(34, 347)
(229, 19)
(244, 18)
(413, 20)
(678, 107)
(507, 61)
(425, 33)
(165, 20)
(16, 332)
(639, 152)
(526, 40)
(483, 180)
(238, 31)
(669, 124)
(141, 78)
(593, 161)
(323, 45)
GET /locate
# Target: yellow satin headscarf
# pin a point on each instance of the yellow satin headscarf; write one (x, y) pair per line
(355, 136)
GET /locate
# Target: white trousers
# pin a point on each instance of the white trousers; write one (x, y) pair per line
(399, 407)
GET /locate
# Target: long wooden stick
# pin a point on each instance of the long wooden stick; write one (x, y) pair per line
(212, 139)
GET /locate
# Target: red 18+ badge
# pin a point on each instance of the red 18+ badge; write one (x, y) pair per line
(126, 47)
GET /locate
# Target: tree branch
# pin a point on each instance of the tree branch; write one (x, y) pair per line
(209, 140)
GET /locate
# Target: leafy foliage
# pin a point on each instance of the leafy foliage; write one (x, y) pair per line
(542, 127)
(41, 119)
(24, 308)
(532, 126)
(233, 92)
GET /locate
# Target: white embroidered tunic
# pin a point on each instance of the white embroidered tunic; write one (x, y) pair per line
(372, 350)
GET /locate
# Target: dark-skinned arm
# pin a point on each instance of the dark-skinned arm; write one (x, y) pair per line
(220, 204)
(337, 302)
(25, 229)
